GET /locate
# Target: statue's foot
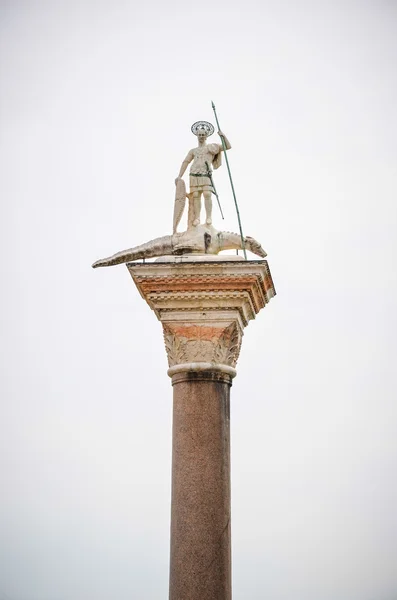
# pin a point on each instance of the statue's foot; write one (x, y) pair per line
(196, 222)
(209, 221)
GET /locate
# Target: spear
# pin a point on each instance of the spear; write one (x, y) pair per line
(231, 183)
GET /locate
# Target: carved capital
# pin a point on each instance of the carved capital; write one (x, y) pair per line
(217, 343)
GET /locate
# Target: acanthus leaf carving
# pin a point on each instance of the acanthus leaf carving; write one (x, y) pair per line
(202, 343)
(175, 347)
(228, 348)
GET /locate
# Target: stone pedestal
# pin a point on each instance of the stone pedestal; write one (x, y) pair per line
(203, 307)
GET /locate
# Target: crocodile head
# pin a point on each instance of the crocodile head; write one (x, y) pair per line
(253, 246)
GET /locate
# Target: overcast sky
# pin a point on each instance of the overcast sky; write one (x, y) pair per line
(97, 101)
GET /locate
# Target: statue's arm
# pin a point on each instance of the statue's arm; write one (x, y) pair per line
(183, 168)
(227, 143)
(184, 165)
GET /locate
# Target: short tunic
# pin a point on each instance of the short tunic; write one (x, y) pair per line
(199, 181)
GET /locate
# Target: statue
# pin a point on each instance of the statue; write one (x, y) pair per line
(201, 182)
(205, 240)
(198, 239)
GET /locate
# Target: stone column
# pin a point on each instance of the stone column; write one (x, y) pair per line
(203, 307)
(200, 565)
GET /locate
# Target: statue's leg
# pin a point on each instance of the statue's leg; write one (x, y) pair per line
(197, 208)
(208, 206)
(190, 214)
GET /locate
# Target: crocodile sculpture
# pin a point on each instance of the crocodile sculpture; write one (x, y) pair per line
(204, 239)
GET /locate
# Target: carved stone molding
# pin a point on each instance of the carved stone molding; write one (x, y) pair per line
(204, 308)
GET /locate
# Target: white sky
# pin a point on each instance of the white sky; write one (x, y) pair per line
(97, 100)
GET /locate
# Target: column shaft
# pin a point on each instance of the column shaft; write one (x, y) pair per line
(200, 566)
(203, 306)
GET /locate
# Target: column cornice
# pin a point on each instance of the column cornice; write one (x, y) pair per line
(204, 308)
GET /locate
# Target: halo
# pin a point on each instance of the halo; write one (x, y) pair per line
(208, 128)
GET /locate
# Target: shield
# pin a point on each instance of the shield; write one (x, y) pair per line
(180, 201)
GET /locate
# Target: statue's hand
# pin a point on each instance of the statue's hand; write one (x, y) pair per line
(221, 134)
(177, 179)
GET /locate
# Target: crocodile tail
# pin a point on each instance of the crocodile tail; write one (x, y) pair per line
(157, 247)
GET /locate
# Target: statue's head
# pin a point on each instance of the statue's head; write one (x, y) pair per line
(202, 135)
(202, 129)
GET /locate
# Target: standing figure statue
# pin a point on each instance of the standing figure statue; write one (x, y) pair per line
(204, 157)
